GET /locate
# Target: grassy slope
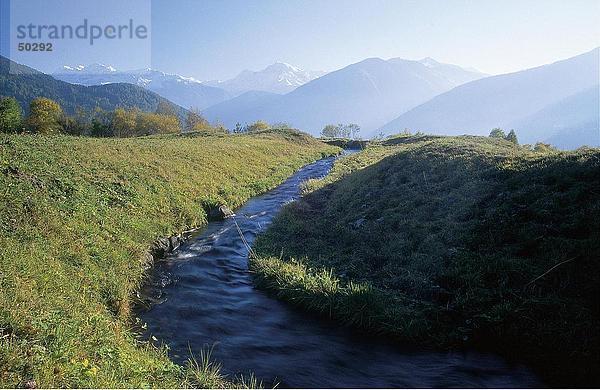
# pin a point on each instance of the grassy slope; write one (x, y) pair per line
(437, 240)
(76, 216)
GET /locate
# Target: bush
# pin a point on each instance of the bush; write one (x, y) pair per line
(541, 147)
(257, 126)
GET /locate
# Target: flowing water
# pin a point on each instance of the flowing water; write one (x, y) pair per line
(203, 296)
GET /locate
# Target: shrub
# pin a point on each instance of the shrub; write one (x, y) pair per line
(257, 126)
(541, 147)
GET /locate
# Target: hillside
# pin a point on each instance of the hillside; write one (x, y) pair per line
(77, 218)
(504, 101)
(25, 84)
(451, 242)
(368, 93)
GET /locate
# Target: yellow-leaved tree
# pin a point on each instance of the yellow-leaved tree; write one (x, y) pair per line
(44, 116)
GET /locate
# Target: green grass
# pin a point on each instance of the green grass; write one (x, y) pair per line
(451, 242)
(77, 216)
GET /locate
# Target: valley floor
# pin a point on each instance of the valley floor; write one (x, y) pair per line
(451, 242)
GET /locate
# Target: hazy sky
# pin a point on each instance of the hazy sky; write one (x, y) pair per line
(216, 39)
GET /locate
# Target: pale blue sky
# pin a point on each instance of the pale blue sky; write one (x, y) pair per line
(216, 39)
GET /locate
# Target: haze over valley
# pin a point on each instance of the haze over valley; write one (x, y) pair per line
(387, 96)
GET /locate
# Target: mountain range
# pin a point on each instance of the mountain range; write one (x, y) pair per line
(558, 103)
(369, 93)
(184, 91)
(541, 104)
(279, 77)
(25, 84)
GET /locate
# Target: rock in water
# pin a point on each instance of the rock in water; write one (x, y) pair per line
(160, 247)
(219, 213)
(174, 242)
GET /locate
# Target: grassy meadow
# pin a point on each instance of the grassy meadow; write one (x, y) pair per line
(77, 216)
(451, 242)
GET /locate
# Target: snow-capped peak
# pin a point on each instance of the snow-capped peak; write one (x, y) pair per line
(279, 77)
(88, 69)
(283, 66)
(76, 68)
(96, 74)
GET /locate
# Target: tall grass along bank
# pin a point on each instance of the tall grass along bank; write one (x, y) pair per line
(77, 216)
(451, 242)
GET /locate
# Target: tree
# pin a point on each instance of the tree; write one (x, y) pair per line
(165, 108)
(44, 116)
(194, 121)
(219, 127)
(150, 123)
(330, 131)
(238, 128)
(78, 124)
(257, 126)
(11, 115)
(101, 123)
(353, 129)
(343, 131)
(379, 137)
(497, 133)
(75, 125)
(512, 137)
(124, 122)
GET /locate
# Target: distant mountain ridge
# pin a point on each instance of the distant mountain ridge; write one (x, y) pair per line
(369, 93)
(184, 91)
(569, 123)
(189, 92)
(25, 84)
(557, 103)
(518, 100)
(246, 105)
(279, 77)
(456, 74)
